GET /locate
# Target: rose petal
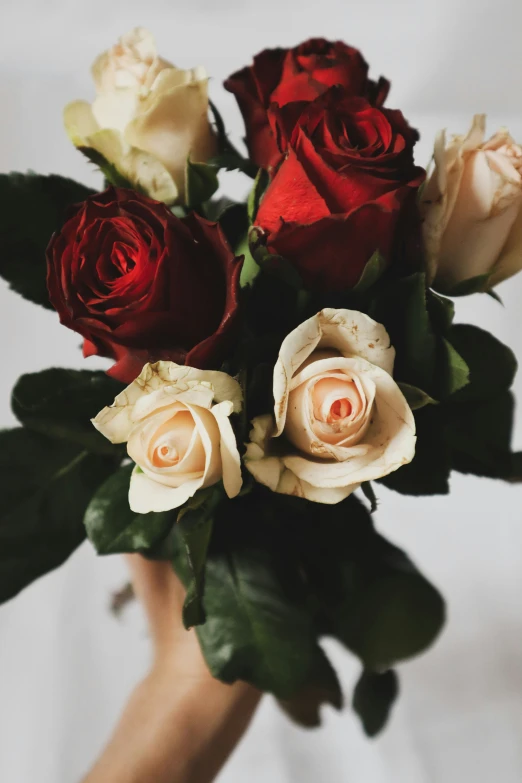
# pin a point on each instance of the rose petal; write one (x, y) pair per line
(116, 421)
(146, 495)
(271, 470)
(173, 125)
(115, 109)
(230, 459)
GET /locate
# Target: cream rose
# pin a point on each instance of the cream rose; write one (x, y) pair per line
(148, 117)
(175, 421)
(339, 418)
(472, 207)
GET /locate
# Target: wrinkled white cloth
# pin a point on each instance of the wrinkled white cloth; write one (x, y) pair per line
(66, 665)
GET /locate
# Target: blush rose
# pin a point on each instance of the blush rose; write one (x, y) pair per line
(175, 421)
(339, 417)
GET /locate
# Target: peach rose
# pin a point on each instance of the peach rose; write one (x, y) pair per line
(339, 418)
(472, 208)
(175, 421)
(148, 117)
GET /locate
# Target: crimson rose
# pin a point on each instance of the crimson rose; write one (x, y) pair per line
(140, 284)
(347, 182)
(283, 76)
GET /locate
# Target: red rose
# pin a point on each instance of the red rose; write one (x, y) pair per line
(140, 284)
(346, 188)
(301, 74)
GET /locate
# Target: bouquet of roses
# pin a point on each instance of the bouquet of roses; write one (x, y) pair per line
(275, 359)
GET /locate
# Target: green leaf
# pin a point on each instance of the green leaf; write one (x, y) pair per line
(475, 285)
(61, 403)
(256, 194)
(195, 521)
(493, 294)
(369, 494)
(229, 157)
(32, 208)
(251, 268)
(217, 209)
(271, 263)
(373, 698)
(388, 611)
(258, 626)
(454, 372)
(201, 183)
(369, 593)
(45, 485)
(428, 473)
(416, 398)
(402, 308)
(236, 225)
(479, 434)
(516, 467)
(373, 270)
(441, 311)
(111, 525)
(322, 688)
(110, 173)
(492, 365)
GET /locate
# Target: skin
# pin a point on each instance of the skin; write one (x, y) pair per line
(180, 724)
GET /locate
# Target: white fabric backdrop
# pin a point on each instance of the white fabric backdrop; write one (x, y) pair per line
(66, 666)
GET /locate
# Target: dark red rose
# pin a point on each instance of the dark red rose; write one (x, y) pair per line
(140, 284)
(283, 76)
(346, 188)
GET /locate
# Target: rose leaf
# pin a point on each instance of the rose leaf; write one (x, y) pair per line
(111, 525)
(201, 182)
(23, 241)
(492, 365)
(428, 473)
(416, 398)
(373, 270)
(61, 403)
(373, 698)
(46, 485)
(256, 194)
(322, 688)
(195, 521)
(479, 434)
(259, 627)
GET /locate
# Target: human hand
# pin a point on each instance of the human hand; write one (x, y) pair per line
(180, 724)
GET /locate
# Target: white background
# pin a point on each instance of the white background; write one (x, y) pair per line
(66, 665)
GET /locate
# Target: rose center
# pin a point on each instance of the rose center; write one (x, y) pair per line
(165, 455)
(339, 409)
(335, 400)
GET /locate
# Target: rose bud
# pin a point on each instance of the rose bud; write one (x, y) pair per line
(284, 76)
(148, 117)
(175, 421)
(140, 284)
(346, 188)
(339, 417)
(472, 208)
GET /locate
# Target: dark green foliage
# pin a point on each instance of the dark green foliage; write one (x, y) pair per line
(61, 403)
(32, 208)
(111, 525)
(373, 699)
(46, 485)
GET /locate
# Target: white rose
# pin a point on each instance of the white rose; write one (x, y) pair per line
(148, 117)
(339, 418)
(472, 207)
(175, 421)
